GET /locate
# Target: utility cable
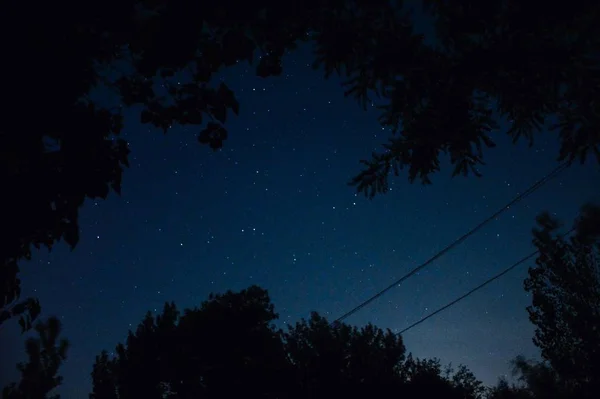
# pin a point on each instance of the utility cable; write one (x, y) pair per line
(480, 286)
(518, 198)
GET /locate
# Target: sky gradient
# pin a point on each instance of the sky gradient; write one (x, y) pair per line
(273, 208)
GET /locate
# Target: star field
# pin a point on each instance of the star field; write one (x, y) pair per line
(273, 208)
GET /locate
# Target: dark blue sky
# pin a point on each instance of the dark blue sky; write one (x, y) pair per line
(273, 209)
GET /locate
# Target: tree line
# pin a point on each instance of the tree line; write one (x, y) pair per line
(229, 346)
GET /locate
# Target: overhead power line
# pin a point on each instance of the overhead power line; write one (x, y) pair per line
(480, 286)
(518, 198)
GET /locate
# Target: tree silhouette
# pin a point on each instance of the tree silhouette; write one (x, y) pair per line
(536, 380)
(224, 348)
(540, 380)
(343, 361)
(565, 289)
(46, 354)
(426, 377)
(228, 347)
(356, 362)
(464, 382)
(497, 58)
(503, 390)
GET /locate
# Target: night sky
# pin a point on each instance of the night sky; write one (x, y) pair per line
(273, 209)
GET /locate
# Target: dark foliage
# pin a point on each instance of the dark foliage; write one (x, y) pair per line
(497, 58)
(565, 289)
(343, 361)
(224, 348)
(503, 390)
(229, 348)
(27, 310)
(39, 376)
(535, 380)
(67, 148)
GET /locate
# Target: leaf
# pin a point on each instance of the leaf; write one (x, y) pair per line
(25, 325)
(219, 112)
(146, 116)
(227, 96)
(167, 72)
(71, 234)
(4, 315)
(236, 45)
(34, 308)
(19, 308)
(213, 135)
(202, 73)
(269, 65)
